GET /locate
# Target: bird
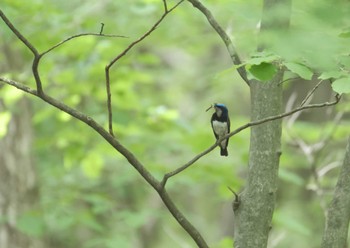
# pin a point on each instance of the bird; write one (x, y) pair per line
(220, 123)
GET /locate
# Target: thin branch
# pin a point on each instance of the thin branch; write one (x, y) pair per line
(180, 218)
(311, 93)
(177, 214)
(236, 202)
(225, 38)
(122, 54)
(29, 45)
(288, 79)
(238, 130)
(306, 100)
(109, 102)
(80, 35)
(102, 26)
(37, 55)
(165, 6)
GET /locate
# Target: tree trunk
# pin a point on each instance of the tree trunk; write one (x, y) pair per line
(338, 217)
(18, 186)
(254, 215)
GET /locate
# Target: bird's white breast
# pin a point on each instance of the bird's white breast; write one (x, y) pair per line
(220, 128)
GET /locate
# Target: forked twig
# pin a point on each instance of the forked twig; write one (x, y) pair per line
(37, 55)
(80, 35)
(122, 54)
(34, 51)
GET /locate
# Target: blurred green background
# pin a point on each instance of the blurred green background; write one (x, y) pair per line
(89, 196)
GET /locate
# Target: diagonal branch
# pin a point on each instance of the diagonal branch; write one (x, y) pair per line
(310, 93)
(123, 53)
(238, 130)
(225, 38)
(142, 170)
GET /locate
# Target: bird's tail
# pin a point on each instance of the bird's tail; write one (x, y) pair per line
(223, 151)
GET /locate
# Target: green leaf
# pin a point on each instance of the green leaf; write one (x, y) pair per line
(299, 69)
(259, 60)
(264, 71)
(332, 74)
(345, 34)
(341, 85)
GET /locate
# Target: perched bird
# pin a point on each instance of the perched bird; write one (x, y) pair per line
(220, 122)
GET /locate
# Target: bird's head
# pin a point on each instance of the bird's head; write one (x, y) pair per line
(219, 108)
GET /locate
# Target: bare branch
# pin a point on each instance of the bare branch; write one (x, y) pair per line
(236, 202)
(35, 52)
(122, 54)
(311, 93)
(180, 218)
(238, 130)
(177, 214)
(109, 102)
(225, 38)
(102, 26)
(80, 35)
(165, 6)
(288, 79)
(38, 56)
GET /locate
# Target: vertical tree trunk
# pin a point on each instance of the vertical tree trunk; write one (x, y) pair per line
(338, 217)
(254, 215)
(18, 186)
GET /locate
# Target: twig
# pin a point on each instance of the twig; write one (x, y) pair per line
(307, 99)
(122, 54)
(165, 6)
(109, 102)
(225, 38)
(311, 92)
(238, 130)
(37, 55)
(288, 79)
(236, 202)
(80, 35)
(180, 218)
(102, 26)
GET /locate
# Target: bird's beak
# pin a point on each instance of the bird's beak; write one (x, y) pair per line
(209, 108)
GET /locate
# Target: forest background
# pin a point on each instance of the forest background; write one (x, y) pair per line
(83, 193)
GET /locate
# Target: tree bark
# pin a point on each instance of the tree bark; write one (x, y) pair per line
(18, 185)
(254, 215)
(257, 201)
(338, 217)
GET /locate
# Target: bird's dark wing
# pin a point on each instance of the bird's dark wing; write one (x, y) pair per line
(228, 129)
(213, 117)
(228, 124)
